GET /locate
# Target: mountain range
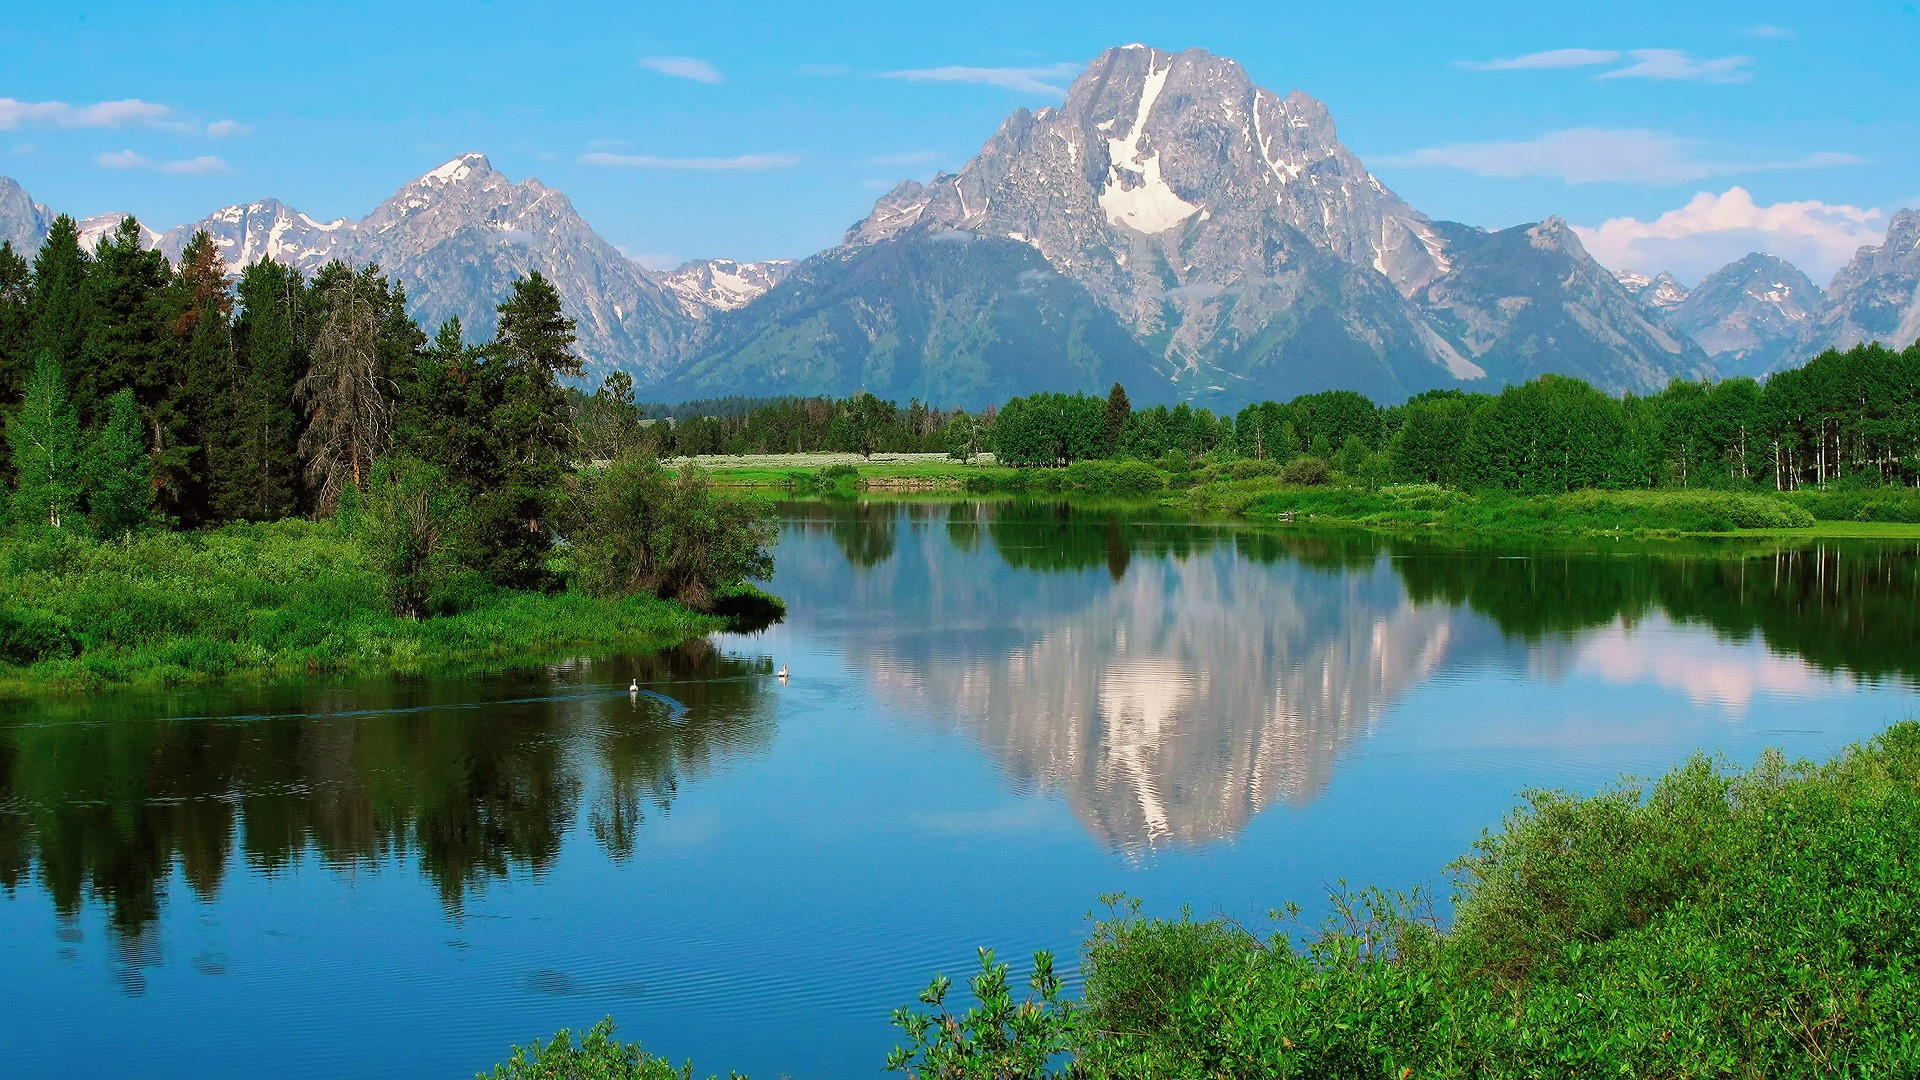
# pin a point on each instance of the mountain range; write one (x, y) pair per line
(1171, 226)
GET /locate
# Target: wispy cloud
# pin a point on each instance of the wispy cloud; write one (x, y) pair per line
(224, 129)
(1025, 80)
(1603, 155)
(683, 67)
(1712, 230)
(1778, 33)
(917, 157)
(1676, 64)
(744, 162)
(126, 159)
(132, 112)
(1552, 58)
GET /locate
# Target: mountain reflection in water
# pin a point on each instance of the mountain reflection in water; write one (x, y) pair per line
(1169, 679)
(1175, 678)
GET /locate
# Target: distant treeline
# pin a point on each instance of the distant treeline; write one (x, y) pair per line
(1844, 415)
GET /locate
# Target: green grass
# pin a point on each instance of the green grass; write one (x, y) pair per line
(1580, 513)
(268, 600)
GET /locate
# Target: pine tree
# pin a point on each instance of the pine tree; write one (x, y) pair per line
(119, 490)
(535, 333)
(45, 438)
(266, 472)
(16, 328)
(57, 298)
(1118, 410)
(126, 341)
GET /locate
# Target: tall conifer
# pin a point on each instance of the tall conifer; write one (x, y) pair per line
(119, 487)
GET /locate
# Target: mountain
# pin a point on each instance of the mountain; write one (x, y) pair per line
(1235, 238)
(268, 229)
(1657, 293)
(23, 222)
(456, 239)
(98, 227)
(950, 318)
(459, 236)
(1529, 300)
(1875, 297)
(1749, 315)
(705, 286)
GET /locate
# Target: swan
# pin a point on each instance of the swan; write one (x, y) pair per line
(633, 687)
(783, 673)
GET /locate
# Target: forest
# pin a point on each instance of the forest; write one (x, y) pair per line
(173, 435)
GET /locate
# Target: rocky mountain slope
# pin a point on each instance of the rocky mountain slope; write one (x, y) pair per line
(1876, 297)
(23, 222)
(1659, 293)
(1749, 316)
(1234, 236)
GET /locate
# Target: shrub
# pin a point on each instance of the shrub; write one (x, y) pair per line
(639, 528)
(29, 635)
(1307, 471)
(597, 1056)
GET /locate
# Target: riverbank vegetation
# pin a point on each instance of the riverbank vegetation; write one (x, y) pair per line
(207, 478)
(1656, 929)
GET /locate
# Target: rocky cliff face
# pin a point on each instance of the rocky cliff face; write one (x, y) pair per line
(1658, 293)
(1236, 237)
(1750, 314)
(1876, 297)
(23, 222)
(706, 286)
(268, 229)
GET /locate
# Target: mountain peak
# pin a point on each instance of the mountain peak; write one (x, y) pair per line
(460, 168)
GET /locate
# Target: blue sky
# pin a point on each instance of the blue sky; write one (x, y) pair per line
(757, 130)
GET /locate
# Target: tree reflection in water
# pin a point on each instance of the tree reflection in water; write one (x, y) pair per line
(99, 802)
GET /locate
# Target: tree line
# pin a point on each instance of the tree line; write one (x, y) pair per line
(1849, 416)
(136, 394)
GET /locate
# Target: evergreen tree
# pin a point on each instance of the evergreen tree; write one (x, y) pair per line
(16, 329)
(127, 344)
(1119, 409)
(58, 296)
(45, 438)
(119, 488)
(267, 470)
(201, 303)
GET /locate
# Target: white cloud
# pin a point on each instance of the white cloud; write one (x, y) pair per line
(916, 157)
(1552, 58)
(1778, 33)
(1713, 230)
(1603, 155)
(16, 114)
(683, 67)
(222, 129)
(744, 162)
(127, 159)
(1676, 64)
(1026, 80)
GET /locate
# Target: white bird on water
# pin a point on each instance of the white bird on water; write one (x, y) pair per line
(633, 687)
(783, 673)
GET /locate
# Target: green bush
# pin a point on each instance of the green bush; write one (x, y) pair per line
(1307, 471)
(1721, 922)
(597, 1056)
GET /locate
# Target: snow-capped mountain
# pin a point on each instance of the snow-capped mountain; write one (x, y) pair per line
(98, 227)
(1229, 232)
(1660, 292)
(268, 229)
(1875, 297)
(705, 286)
(1750, 314)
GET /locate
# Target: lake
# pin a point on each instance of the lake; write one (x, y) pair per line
(998, 711)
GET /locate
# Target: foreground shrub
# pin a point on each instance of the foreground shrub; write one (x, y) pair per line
(597, 1056)
(639, 528)
(1763, 922)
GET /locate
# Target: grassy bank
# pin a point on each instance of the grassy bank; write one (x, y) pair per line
(265, 600)
(1717, 923)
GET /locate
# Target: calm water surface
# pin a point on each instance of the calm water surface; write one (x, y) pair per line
(997, 712)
